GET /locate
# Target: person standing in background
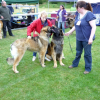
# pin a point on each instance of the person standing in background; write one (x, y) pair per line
(61, 17)
(5, 15)
(11, 10)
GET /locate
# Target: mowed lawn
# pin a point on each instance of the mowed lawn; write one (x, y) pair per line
(36, 83)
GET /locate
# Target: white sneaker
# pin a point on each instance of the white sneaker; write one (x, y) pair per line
(47, 59)
(34, 57)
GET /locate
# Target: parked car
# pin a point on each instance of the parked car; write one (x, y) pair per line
(27, 10)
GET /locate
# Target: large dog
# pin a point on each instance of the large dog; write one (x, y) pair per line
(55, 48)
(1, 26)
(37, 44)
(71, 19)
(70, 22)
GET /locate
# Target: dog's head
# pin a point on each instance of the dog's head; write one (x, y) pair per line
(54, 29)
(70, 22)
(57, 32)
(46, 31)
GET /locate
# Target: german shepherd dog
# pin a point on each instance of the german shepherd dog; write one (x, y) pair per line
(55, 48)
(38, 44)
(70, 22)
(1, 26)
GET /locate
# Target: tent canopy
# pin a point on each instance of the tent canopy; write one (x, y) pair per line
(62, 0)
(21, 1)
(91, 1)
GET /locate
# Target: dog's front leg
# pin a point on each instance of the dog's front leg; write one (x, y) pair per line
(61, 63)
(54, 59)
(42, 56)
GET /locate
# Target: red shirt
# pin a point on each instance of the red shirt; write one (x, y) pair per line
(36, 26)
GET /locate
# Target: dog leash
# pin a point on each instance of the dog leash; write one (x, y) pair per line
(71, 47)
(70, 44)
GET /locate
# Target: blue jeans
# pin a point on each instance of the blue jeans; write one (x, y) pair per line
(34, 54)
(80, 45)
(63, 26)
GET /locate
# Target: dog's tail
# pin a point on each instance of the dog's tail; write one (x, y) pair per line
(10, 61)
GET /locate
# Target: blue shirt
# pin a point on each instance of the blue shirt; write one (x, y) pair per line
(83, 30)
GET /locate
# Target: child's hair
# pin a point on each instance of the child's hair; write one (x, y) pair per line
(43, 13)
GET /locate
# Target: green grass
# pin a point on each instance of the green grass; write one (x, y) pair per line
(36, 83)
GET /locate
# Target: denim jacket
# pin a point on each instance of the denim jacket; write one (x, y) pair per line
(63, 13)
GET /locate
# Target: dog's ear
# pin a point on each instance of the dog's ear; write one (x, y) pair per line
(53, 27)
(71, 19)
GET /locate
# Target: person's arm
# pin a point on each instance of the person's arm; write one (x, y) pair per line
(93, 25)
(31, 28)
(65, 14)
(71, 31)
(1, 15)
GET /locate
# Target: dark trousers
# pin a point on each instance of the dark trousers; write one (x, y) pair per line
(8, 24)
(80, 45)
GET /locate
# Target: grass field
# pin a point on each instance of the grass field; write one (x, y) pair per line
(36, 83)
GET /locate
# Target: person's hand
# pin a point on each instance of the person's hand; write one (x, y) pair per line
(90, 41)
(65, 15)
(29, 37)
(2, 17)
(67, 34)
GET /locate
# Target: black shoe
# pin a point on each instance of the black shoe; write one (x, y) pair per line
(11, 35)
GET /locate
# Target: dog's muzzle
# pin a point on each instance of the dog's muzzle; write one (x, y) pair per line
(53, 29)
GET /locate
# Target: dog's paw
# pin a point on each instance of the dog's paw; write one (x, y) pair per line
(15, 71)
(62, 64)
(54, 66)
(43, 66)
